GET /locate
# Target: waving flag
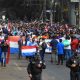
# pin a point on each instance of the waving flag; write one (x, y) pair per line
(14, 44)
(28, 50)
(9, 26)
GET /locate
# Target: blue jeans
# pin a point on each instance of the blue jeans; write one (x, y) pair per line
(0, 54)
(68, 53)
(42, 52)
(3, 58)
(74, 75)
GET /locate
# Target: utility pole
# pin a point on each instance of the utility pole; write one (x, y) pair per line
(51, 13)
(44, 11)
(79, 14)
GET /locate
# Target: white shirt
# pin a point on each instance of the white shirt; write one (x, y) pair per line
(68, 47)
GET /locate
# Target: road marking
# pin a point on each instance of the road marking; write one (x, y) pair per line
(19, 68)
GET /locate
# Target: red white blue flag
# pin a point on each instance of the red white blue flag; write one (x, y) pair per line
(28, 50)
(14, 48)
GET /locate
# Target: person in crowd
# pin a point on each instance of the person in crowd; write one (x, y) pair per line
(74, 44)
(5, 31)
(53, 44)
(35, 68)
(27, 39)
(60, 52)
(78, 50)
(20, 43)
(4, 49)
(1, 38)
(67, 47)
(43, 48)
(32, 42)
(74, 64)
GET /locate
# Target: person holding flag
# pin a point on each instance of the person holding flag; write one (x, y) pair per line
(32, 42)
(20, 43)
(43, 46)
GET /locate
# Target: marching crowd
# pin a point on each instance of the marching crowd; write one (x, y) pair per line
(63, 43)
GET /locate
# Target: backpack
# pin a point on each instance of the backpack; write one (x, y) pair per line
(44, 45)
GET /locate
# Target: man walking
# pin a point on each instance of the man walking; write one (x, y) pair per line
(74, 64)
(35, 67)
(53, 44)
(60, 52)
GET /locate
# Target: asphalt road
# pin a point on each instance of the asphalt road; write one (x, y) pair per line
(16, 70)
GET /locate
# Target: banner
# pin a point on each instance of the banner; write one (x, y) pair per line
(74, 0)
(49, 48)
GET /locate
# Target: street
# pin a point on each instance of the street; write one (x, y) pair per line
(16, 70)
(39, 26)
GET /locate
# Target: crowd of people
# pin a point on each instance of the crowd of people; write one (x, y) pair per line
(63, 42)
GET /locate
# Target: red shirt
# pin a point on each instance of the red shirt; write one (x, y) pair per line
(74, 44)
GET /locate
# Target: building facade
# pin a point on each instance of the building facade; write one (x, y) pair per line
(74, 12)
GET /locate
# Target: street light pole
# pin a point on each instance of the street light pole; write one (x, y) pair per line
(51, 14)
(44, 11)
(79, 14)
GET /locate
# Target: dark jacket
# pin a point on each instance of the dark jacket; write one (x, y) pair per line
(34, 69)
(4, 46)
(20, 43)
(54, 43)
(44, 46)
(73, 60)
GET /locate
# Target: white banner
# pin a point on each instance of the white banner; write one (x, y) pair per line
(74, 0)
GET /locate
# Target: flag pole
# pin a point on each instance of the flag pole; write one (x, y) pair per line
(8, 53)
(79, 14)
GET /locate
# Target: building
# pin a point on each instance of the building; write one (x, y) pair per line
(74, 12)
(69, 10)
